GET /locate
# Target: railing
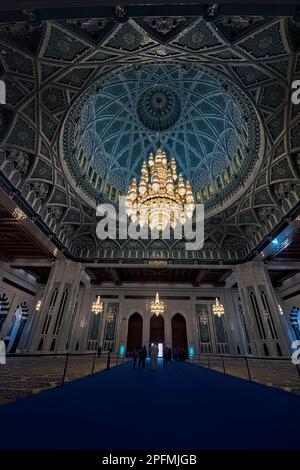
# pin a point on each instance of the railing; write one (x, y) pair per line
(276, 372)
(24, 374)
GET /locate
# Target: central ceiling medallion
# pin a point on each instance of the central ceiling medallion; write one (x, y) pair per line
(162, 197)
(158, 108)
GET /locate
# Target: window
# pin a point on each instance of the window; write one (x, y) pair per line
(99, 183)
(210, 189)
(198, 197)
(113, 193)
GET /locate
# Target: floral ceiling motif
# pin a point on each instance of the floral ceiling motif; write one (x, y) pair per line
(50, 72)
(199, 116)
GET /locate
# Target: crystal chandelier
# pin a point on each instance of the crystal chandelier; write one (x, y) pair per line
(157, 306)
(97, 306)
(218, 308)
(19, 214)
(162, 197)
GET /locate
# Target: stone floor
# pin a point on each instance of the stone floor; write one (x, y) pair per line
(275, 373)
(22, 376)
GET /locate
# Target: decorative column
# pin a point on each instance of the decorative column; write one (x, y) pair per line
(236, 340)
(119, 326)
(15, 301)
(32, 322)
(56, 315)
(194, 334)
(168, 330)
(260, 309)
(79, 337)
(212, 328)
(122, 337)
(146, 329)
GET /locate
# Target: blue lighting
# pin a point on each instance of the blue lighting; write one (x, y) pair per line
(191, 351)
(275, 242)
(122, 349)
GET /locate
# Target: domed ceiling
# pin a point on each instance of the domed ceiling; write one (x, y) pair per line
(87, 98)
(199, 115)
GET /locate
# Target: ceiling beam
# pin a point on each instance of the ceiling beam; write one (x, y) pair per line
(38, 262)
(115, 274)
(12, 10)
(192, 266)
(200, 277)
(283, 265)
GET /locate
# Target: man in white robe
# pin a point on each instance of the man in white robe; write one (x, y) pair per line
(153, 356)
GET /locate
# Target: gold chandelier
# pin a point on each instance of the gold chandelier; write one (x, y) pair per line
(157, 306)
(97, 306)
(162, 197)
(218, 309)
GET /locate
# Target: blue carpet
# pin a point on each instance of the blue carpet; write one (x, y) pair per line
(183, 407)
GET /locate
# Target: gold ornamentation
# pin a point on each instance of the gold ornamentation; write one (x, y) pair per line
(162, 197)
(157, 306)
(19, 214)
(97, 306)
(217, 308)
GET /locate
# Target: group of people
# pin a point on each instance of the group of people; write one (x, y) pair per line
(179, 354)
(140, 354)
(167, 356)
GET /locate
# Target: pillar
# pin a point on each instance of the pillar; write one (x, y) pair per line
(233, 325)
(260, 309)
(56, 315)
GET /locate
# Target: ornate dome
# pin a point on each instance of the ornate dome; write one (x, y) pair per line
(200, 116)
(158, 108)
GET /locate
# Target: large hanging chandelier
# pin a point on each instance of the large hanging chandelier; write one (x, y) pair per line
(97, 306)
(217, 308)
(157, 306)
(162, 197)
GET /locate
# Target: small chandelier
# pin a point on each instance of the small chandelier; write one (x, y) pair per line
(157, 306)
(110, 316)
(97, 306)
(38, 305)
(218, 309)
(19, 214)
(162, 197)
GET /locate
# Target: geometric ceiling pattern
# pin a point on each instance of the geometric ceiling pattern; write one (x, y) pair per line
(61, 67)
(199, 116)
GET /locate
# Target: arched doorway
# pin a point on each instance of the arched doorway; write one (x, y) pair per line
(179, 336)
(135, 332)
(157, 329)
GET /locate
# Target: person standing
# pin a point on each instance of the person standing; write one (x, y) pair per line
(135, 357)
(165, 358)
(144, 355)
(140, 354)
(153, 356)
(175, 354)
